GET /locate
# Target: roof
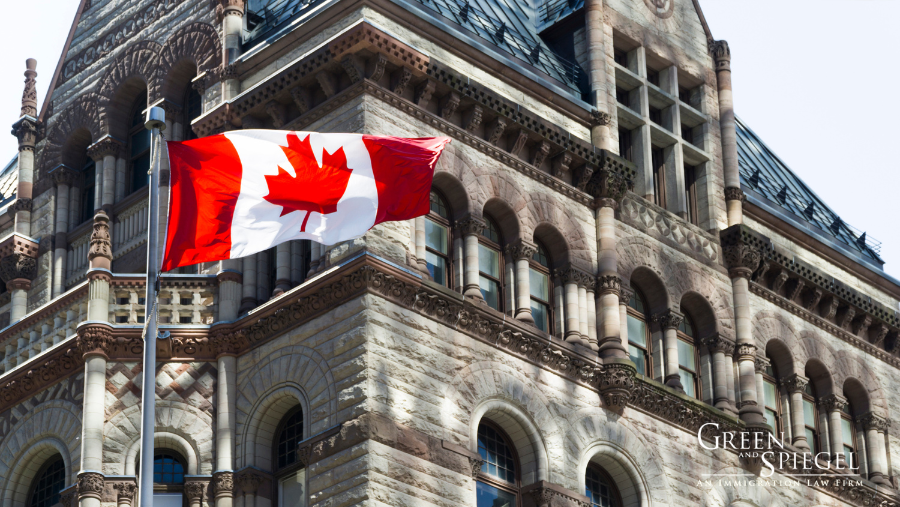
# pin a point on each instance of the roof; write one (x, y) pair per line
(770, 183)
(9, 181)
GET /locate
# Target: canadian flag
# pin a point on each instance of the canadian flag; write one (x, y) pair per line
(243, 192)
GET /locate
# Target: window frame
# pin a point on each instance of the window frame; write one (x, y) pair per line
(165, 487)
(133, 131)
(690, 340)
(445, 222)
(187, 133)
(45, 467)
(626, 144)
(281, 473)
(658, 170)
(778, 426)
(88, 187)
(845, 415)
(491, 244)
(492, 481)
(690, 197)
(544, 270)
(648, 349)
(599, 470)
(813, 398)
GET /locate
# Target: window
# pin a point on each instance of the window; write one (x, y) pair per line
(687, 133)
(811, 418)
(498, 480)
(168, 468)
(620, 57)
(540, 289)
(848, 433)
(656, 115)
(139, 145)
(489, 268)
(437, 241)
(688, 358)
(690, 194)
(51, 479)
(193, 108)
(289, 435)
(626, 147)
(88, 187)
(684, 95)
(772, 400)
(622, 96)
(658, 160)
(600, 488)
(638, 333)
(653, 76)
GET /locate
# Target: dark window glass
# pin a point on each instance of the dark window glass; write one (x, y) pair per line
(599, 488)
(658, 161)
(87, 191)
(496, 453)
(656, 115)
(139, 146)
(690, 194)
(290, 435)
(540, 289)
(622, 96)
(626, 148)
(620, 57)
(184, 320)
(489, 496)
(167, 469)
(193, 107)
(437, 241)
(490, 271)
(653, 77)
(688, 358)
(687, 133)
(684, 95)
(638, 334)
(50, 481)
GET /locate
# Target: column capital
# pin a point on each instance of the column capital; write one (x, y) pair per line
(795, 383)
(743, 250)
(228, 7)
(615, 381)
(100, 251)
(745, 352)
(833, 403)
(521, 249)
(609, 284)
(599, 119)
(607, 182)
(761, 363)
(734, 194)
(249, 480)
(89, 485)
(669, 319)
(223, 483)
(228, 343)
(64, 175)
(625, 293)
(107, 145)
(571, 274)
(26, 131)
(125, 491)
(873, 421)
(195, 490)
(470, 224)
(718, 343)
(95, 338)
(721, 54)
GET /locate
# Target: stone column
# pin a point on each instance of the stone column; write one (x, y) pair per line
(582, 308)
(593, 34)
(420, 244)
(231, 14)
(625, 294)
(591, 304)
(125, 492)
(248, 301)
(18, 267)
(99, 276)
(282, 269)
(25, 130)
(105, 153)
(195, 492)
(471, 227)
(832, 405)
(743, 251)
(298, 261)
(669, 321)
(64, 178)
(571, 277)
(522, 251)
(249, 482)
(230, 280)
(600, 135)
(226, 393)
(720, 347)
(734, 196)
(760, 367)
(795, 384)
(875, 427)
(95, 340)
(90, 484)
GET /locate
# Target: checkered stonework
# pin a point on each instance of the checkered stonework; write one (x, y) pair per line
(189, 383)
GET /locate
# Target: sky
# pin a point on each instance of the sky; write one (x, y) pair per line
(812, 78)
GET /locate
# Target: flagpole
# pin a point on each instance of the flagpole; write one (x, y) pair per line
(156, 122)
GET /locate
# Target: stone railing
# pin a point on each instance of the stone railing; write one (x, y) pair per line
(43, 328)
(183, 299)
(76, 258)
(130, 229)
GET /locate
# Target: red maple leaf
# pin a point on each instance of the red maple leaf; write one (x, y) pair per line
(313, 188)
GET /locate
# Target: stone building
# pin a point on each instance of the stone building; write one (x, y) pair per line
(613, 265)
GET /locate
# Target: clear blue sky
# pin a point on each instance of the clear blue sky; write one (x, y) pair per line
(812, 77)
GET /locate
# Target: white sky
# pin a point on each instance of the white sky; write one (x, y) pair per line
(811, 78)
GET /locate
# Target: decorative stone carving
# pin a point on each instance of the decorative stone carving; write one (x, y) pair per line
(195, 491)
(197, 42)
(813, 302)
(874, 421)
(833, 402)
(745, 352)
(403, 81)
(63, 175)
(599, 118)
(20, 204)
(616, 384)
(521, 249)
(100, 252)
(125, 491)
(423, 92)
(609, 181)
(470, 225)
(660, 225)
(495, 129)
(18, 269)
(138, 59)
(560, 164)
(106, 146)
(743, 249)
(661, 8)
(540, 153)
(26, 131)
(278, 114)
(845, 317)
(571, 275)
(95, 339)
(721, 54)
(29, 94)
(521, 139)
(472, 118)
(223, 483)
(718, 343)
(228, 343)
(378, 69)
(449, 104)
(670, 319)
(796, 289)
(249, 481)
(734, 194)
(609, 284)
(327, 82)
(475, 464)
(880, 333)
(302, 98)
(832, 308)
(228, 8)
(795, 383)
(353, 67)
(90, 485)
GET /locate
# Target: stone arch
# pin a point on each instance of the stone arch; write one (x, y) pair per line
(542, 209)
(847, 366)
(259, 434)
(499, 187)
(701, 313)
(138, 63)
(811, 347)
(648, 282)
(163, 440)
(768, 325)
(75, 128)
(501, 394)
(291, 370)
(454, 193)
(555, 245)
(818, 375)
(688, 281)
(857, 396)
(592, 436)
(505, 218)
(454, 177)
(781, 358)
(197, 44)
(192, 427)
(53, 427)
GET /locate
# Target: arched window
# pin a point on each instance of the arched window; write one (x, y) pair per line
(498, 481)
(848, 432)
(193, 108)
(50, 480)
(541, 289)
(88, 188)
(771, 399)
(138, 145)
(688, 358)
(290, 433)
(600, 488)
(290, 475)
(811, 417)
(168, 467)
(638, 333)
(437, 241)
(490, 271)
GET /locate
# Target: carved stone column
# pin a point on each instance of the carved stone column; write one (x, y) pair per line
(195, 492)
(522, 251)
(590, 324)
(105, 153)
(624, 296)
(26, 131)
(471, 227)
(593, 28)
(719, 347)
(65, 179)
(18, 267)
(743, 250)
(89, 487)
(733, 194)
(223, 487)
(833, 405)
(231, 14)
(99, 276)
(125, 492)
(795, 384)
(95, 342)
(669, 321)
(420, 244)
(249, 482)
(282, 269)
(226, 399)
(600, 123)
(572, 278)
(760, 365)
(875, 427)
(248, 301)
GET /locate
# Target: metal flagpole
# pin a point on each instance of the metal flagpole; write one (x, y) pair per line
(156, 122)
